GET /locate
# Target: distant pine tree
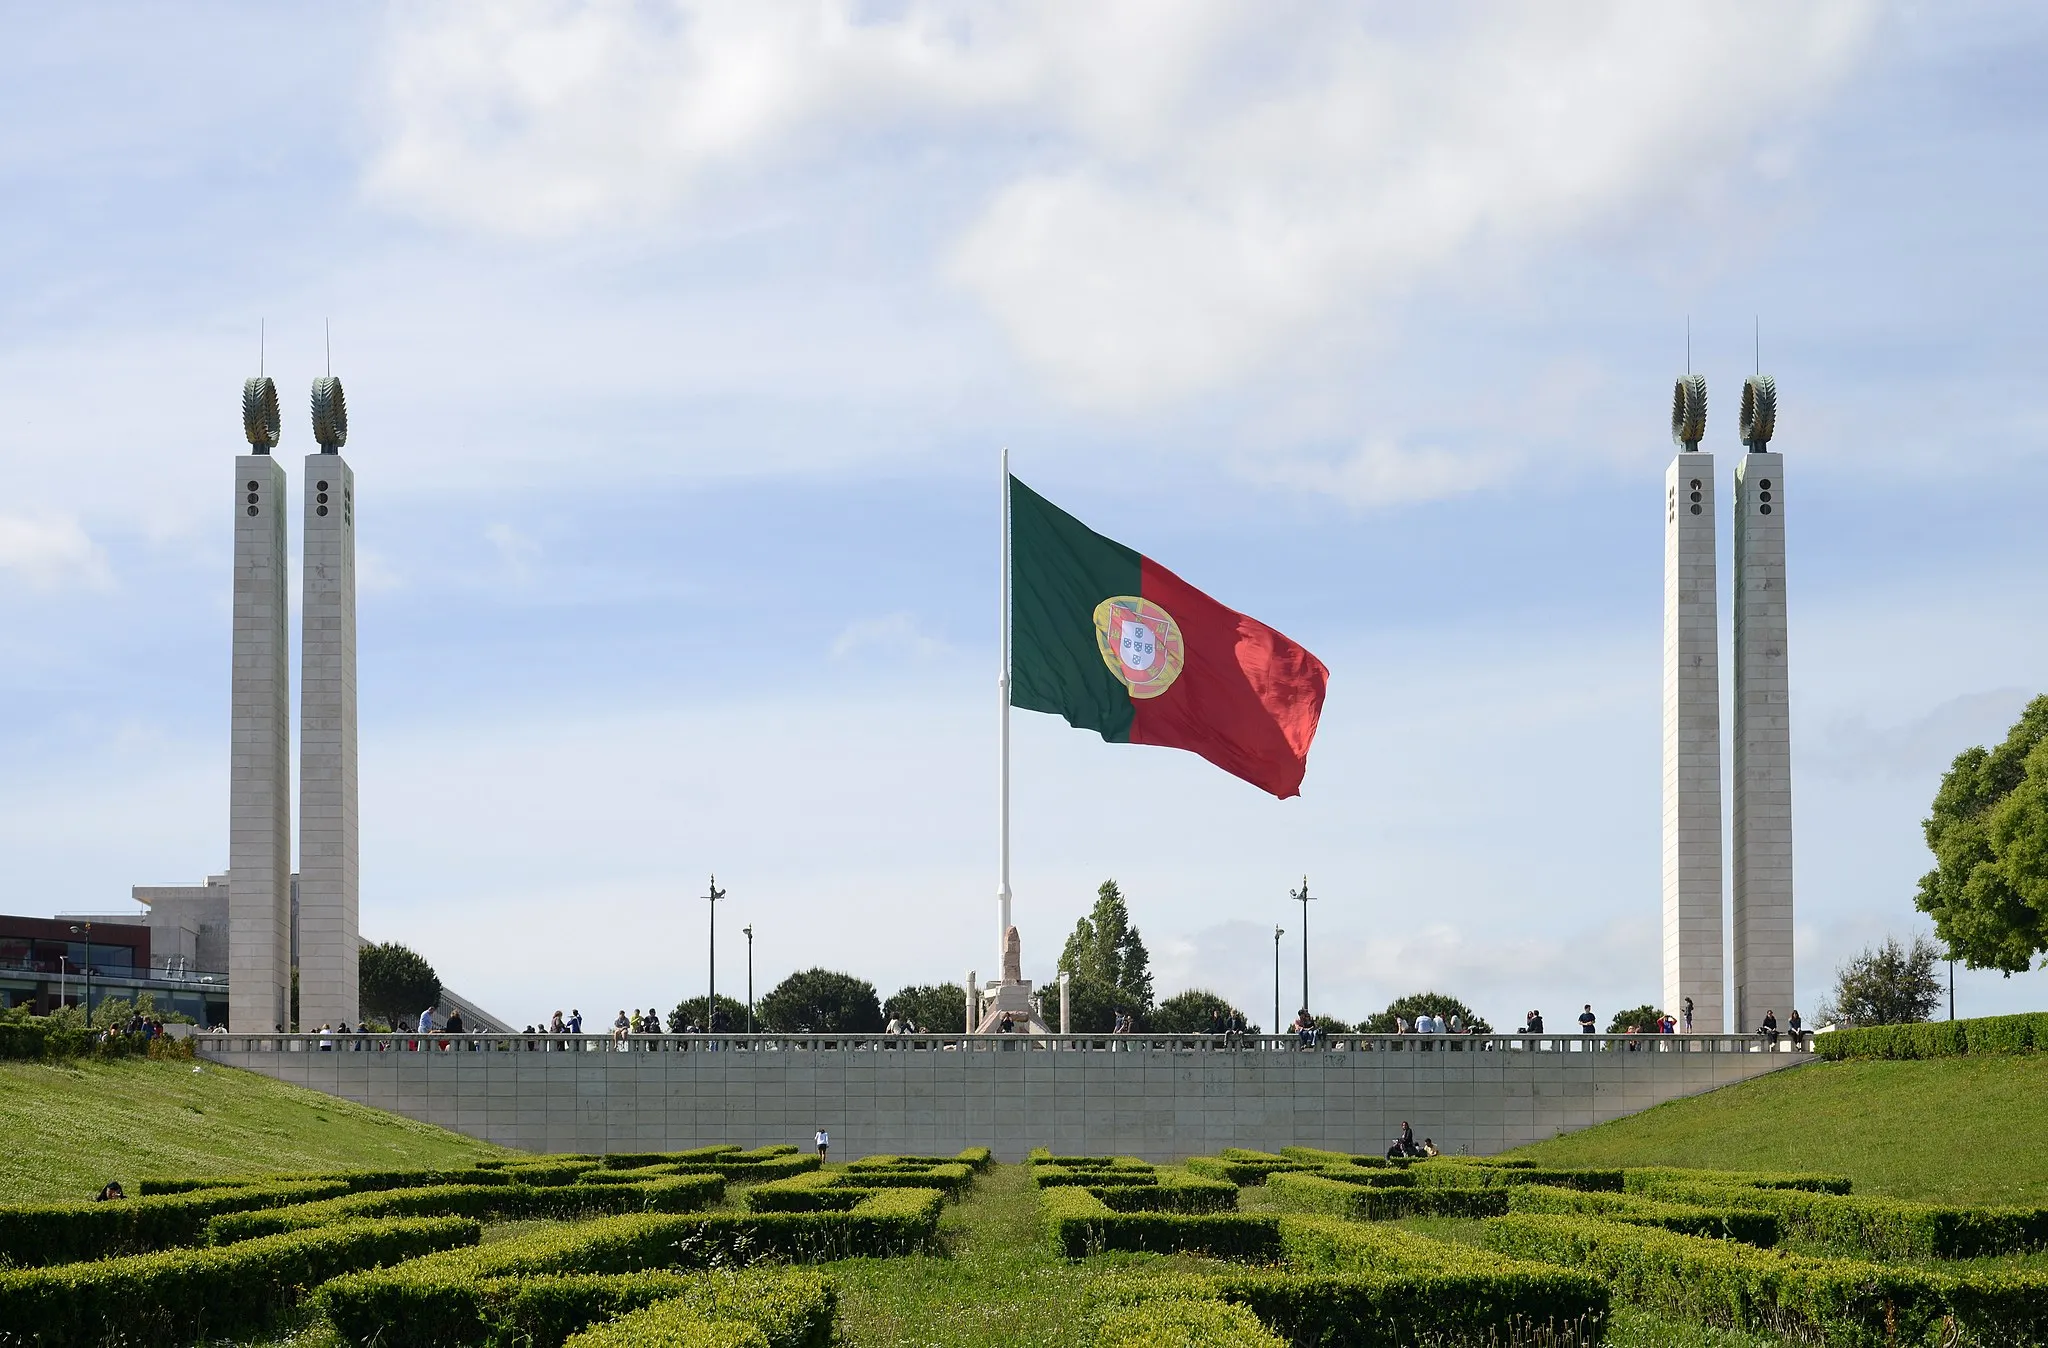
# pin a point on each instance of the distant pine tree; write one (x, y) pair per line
(1106, 963)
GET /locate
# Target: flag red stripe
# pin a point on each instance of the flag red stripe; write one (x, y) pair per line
(1248, 699)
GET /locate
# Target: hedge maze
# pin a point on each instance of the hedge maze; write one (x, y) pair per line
(725, 1248)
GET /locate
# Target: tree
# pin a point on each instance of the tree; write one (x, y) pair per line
(1189, 1012)
(935, 1008)
(821, 1001)
(732, 1015)
(1106, 964)
(395, 984)
(1889, 984)
(1644, 1018)
(1988, 891)
(1415, 1004)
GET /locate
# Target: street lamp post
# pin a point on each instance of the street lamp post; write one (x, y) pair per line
(1302, 897)
(711, 997)
(749, 930)
(86, 927)
(1278, 932)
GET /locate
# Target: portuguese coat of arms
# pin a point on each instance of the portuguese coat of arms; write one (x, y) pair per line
(1140, 642)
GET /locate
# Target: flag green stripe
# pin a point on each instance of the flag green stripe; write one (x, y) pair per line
(1060, 569)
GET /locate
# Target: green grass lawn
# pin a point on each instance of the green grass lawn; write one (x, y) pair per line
(71, 1127)
(1966, 1130)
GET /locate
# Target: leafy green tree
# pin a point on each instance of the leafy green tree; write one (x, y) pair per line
(1106, 964)
(1644, 1018)
(1415, 1004)
(395, 984)
(1889, 984)
(732, 1015)
(1332, 1025)
(1189, 1012)
(935, 1008)
(821, 1001)
(1988, 892)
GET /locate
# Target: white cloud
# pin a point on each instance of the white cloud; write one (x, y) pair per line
(1383, 474)
(51, 552)
(897, 632)
(1175, 195)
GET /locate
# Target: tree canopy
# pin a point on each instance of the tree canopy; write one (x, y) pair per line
(1988, 892)
(1106, 965)
(732, 1015)
(935, 1008)
(1415, 1004)
(1190, 1012)
(823, 1001)
(394, 983)
(1644, 1018)
(1889, 984)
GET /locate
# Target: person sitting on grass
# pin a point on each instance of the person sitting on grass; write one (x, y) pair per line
(111, 1192)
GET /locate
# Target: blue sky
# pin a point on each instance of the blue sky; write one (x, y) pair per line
(681, 342)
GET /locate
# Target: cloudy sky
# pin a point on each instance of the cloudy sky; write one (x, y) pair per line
(681, 342)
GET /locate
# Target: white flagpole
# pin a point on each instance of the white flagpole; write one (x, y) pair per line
(1003, 781)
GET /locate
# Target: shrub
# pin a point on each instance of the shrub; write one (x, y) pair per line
(1655, 1180)
(1938, 1039)
(1184, 1324)
(1244, 1167)
(232, 1291)
(1832, 1301)
(64, 1233)
(1880, 1228)
(1080, 1224)
(1170, 1191)
(792, 1308)
(1053, 1176)
(681, 1193)
(1751, 1227)
(1305, 1192)
(444, 1300)
(1444, 1173)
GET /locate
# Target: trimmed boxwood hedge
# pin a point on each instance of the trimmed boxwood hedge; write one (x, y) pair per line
(1444, 1173)
(1054, 1176)
(677, 1193)
(1319, 1159)
(1243, 1167)
(1170, 1191)
(1750, 1226)
(1655, 1179)
(668, 1324)
(1879, 1228)
(443, 1301)
(1306, 1192)
(231, 1291)
(790, 1307)
(1938, 1039)
(1184, 1323)
(34, 1234)
(1842, 1302)
(1080, 1224)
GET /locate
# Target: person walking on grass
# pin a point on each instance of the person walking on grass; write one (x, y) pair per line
(824, 1141)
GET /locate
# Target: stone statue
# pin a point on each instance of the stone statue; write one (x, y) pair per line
(1013, 957)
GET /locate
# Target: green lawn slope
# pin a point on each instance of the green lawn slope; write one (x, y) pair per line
(1970, 1129)
(68, 1128)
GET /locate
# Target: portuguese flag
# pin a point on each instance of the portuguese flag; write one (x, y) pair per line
(1118, 644)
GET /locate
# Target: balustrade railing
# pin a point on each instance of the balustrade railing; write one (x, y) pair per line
(441, 1041)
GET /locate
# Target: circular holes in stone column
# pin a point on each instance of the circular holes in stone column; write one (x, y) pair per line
(252, 510)
(320, 510)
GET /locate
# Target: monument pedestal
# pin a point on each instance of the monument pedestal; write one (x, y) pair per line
(1010, 995)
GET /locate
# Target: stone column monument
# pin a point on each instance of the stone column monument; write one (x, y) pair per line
(1762, 852)
(1012, 995)
(1693, 932)
(259, 737)
(327, 725)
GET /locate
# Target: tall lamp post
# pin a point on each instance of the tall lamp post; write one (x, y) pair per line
(711, 998)
(86, 927)
(1302, 897)
(1278, 932)
(749, 930)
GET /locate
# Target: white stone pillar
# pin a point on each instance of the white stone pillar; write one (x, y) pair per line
(1693, 931)
(328, 848)
(1762, 853)
(259, 773)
